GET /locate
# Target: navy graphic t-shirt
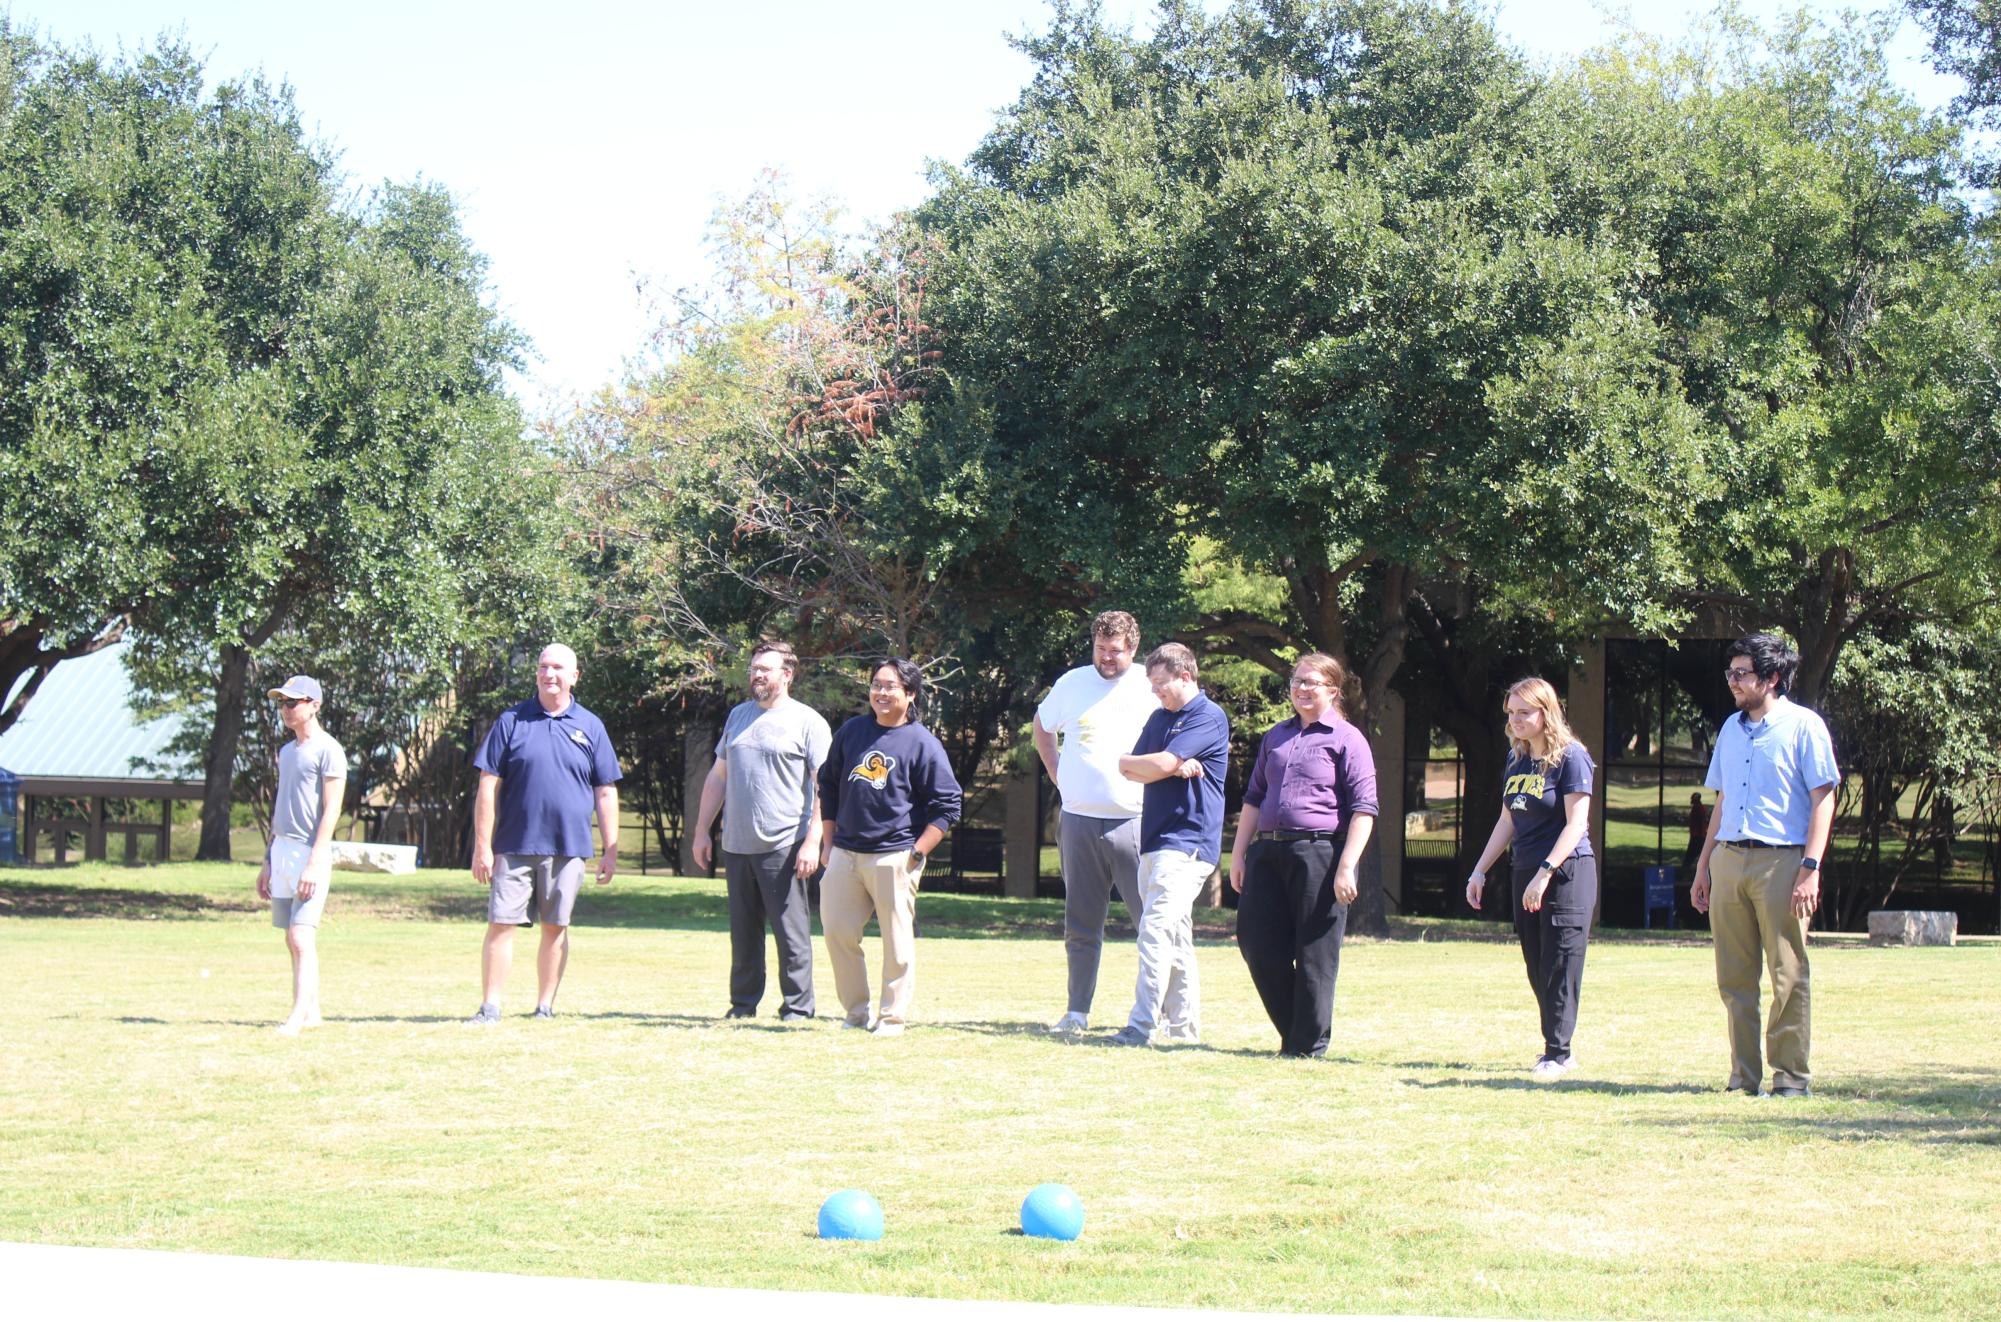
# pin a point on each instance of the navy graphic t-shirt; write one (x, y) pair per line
(1533, 796)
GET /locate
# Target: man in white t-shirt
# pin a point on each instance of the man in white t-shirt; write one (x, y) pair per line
(1092, 717)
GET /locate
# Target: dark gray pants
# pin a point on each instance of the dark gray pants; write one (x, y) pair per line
(1099, 853)
(1553, 940)
(764, 889)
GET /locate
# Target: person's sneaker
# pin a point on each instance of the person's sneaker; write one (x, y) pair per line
(545, 1012)
(1549, 1071)
(861, 1025)
(1127, 1037)
(1177, 1037)
(488, 1014)
(794, 1017)
(1070, 1024)
(1791, 1090)
(738, 1012)
(888, 1027)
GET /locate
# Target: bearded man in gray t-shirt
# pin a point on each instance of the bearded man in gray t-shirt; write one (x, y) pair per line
(764, 785)
(298, 867)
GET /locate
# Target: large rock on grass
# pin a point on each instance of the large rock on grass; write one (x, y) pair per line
(361, 856)
(1912, 927)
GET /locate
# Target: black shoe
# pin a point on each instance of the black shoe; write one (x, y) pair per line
(545, 1012)
(794, 1017)
(738, 1012)
(1790, 1090)
(488, 1014)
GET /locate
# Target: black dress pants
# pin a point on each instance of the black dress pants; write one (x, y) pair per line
(1553, 939)
(1289, 929)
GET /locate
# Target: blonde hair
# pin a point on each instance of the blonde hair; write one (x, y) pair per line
(1555, 730)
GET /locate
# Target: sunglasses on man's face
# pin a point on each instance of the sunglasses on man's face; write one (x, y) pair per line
(289, 703)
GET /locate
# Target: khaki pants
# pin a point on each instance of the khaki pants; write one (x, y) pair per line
(1751, 918)
(853, 887)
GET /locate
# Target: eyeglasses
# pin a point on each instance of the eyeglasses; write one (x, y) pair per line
(1309, 683)
(289, 703)
(1734, 676)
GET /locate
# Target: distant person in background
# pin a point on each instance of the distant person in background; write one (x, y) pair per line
(1091, 718)
(765, 784)
(1698, 831)
(1309, 809)
(1759, 875)
(888, 796)
(1546, 816)
(298, 867)
(545, 765)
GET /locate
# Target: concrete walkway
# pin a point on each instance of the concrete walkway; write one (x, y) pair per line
(44, 1280)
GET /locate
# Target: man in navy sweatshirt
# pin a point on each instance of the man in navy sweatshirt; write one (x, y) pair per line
(887, 797)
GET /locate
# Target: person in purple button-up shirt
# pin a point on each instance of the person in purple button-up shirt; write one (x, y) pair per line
(1308, 812)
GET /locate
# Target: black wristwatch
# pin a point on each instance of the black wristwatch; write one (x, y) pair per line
(1810, 864)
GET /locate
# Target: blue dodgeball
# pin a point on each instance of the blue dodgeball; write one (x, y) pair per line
(851, 1214)
(1052, 1211)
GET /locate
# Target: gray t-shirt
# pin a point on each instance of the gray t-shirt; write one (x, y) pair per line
(301, 770)
(772, 757)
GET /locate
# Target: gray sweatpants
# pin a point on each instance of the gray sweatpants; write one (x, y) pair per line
(1098, 853)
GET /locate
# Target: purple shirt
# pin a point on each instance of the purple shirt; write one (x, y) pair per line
(1318, 776)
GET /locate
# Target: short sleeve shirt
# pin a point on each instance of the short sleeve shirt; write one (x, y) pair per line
(1534, 796)
(1766, 772)
(303, 770)
(1096, 722)
(772, 759)
(1186, 815)
(549, 768)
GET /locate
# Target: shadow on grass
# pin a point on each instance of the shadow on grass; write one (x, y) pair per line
(35, 900)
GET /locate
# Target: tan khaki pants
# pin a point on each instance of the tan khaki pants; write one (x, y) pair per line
(854, 887)
(1751, 918)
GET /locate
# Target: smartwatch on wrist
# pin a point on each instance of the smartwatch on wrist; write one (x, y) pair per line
(1810, 864)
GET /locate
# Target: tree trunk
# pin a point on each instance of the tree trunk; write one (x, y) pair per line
(1367, 916)
(219, 771)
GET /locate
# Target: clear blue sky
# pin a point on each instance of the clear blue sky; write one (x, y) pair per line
(589, 143)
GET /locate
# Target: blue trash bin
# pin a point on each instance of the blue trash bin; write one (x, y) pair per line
(1660, 883)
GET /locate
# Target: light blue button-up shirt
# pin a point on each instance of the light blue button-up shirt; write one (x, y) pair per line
(1767, 771)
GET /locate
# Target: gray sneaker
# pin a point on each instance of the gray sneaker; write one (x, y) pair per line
(488, 1014)
(1127, 1037)
(545, 1012)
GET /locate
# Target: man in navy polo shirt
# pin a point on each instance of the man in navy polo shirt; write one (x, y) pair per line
(546, 763)
(1180, 759)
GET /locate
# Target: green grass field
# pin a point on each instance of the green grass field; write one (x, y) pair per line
(144, 1102)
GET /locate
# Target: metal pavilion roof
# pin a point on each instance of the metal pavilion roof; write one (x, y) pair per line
(80, 727)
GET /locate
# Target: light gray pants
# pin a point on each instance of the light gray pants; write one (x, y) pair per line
(1168, 992)
(1098, 853)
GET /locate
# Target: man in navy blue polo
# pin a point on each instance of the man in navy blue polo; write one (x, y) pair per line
(1180, 758)
(545, 765)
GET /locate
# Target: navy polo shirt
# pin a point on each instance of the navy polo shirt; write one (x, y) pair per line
(549, 769)
(1186, 814)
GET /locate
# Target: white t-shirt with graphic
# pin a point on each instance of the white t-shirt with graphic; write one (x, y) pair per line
(1096, 722)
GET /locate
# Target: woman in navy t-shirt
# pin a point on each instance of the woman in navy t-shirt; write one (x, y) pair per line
(1546, 814)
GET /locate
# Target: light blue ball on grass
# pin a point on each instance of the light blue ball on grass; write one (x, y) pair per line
(1052, 1211)
(851, 1214)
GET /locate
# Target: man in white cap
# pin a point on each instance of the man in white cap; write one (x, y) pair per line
(298, 867)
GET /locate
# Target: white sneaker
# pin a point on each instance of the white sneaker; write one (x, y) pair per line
(1549, 1071)
(864, 1026)
(888, 1027)
(1071, 1022)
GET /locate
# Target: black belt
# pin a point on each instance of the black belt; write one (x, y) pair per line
(1759, 844)
(1302, 835)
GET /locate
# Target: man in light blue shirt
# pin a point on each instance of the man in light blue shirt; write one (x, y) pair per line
(1758, 879)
